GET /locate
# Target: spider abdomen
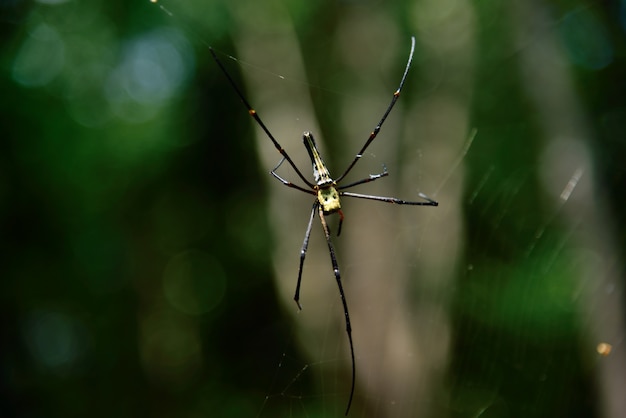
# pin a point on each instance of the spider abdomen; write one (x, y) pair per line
(329, 199)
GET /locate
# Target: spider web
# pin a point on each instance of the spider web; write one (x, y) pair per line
(301, 388)
(153, 260)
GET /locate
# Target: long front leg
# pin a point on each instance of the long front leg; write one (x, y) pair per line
(376, 130)
(333, 260)
(257, 118)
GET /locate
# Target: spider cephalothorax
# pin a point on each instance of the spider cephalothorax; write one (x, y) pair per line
(325, 186)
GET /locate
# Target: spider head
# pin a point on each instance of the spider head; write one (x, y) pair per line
(329, 199)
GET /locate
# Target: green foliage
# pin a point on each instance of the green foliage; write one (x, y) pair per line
(137, 277)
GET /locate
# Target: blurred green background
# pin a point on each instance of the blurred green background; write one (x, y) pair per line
(149, 259)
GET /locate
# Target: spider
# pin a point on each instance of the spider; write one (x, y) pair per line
(328, 191)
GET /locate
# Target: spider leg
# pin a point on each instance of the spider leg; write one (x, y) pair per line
(305, 246)
(287, 182)
(372, 177)
(257, 118)
(333, 260)
(394, 99)
(427, 200)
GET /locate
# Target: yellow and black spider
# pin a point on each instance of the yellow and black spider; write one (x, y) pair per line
(328, 191)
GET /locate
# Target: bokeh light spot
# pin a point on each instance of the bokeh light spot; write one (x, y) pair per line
(53, 340)
(41, 57)
(586, 40)
(152, 70)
